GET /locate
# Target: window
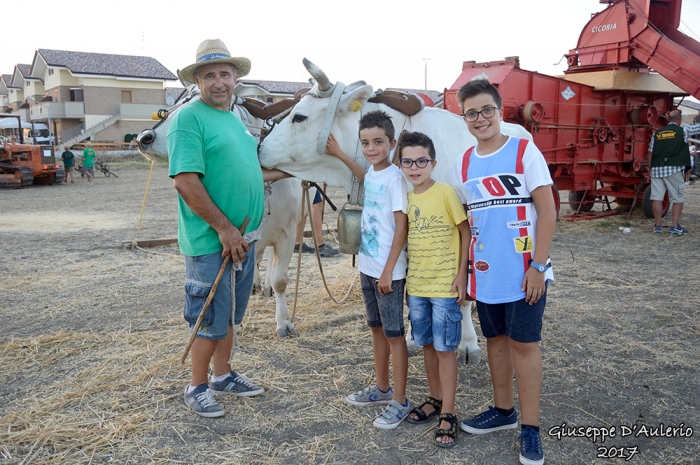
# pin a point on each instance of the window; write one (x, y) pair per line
(126, 96)
(269, 100)
(76, 94)
(50, 72)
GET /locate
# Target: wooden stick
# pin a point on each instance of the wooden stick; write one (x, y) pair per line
(212, 291)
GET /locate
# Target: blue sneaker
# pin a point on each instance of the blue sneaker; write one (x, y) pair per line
(393, 415)
(489, 421)
(236, 384)
(201, 401)
(531, 452)
(658, 229)
(680, 230)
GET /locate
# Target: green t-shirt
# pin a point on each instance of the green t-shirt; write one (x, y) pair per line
(216, 145)
(67, 157)
(88, 157)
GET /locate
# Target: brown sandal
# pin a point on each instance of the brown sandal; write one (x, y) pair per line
(420, 413)
(451, 433)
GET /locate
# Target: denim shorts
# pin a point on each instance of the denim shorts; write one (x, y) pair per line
(200, 274)
(384, 311)
(518, 320)
(436, 321)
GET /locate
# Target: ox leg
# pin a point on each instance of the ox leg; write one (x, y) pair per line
(267, 287)
(278, 273)
(259, 253)
(413, 349)
(469, 351)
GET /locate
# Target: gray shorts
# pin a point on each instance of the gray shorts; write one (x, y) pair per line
(674, 185)
(385, 311)
(69, 169)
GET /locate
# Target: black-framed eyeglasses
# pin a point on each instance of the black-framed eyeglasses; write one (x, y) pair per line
(472, 115)
(420, 163)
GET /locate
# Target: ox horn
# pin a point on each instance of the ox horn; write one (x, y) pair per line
(317, 73)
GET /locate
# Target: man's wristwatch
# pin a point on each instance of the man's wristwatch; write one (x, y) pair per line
(538, 266)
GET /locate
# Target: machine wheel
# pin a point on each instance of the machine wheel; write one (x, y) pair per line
(576, 197)
(557, 199)
(60, 176)
(646, 203)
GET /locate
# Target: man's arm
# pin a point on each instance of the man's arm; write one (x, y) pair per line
(533, 282)
(332, 148)
(691, 130)
(397, 244)
(460, 282)
(197, 198)
(274, 175)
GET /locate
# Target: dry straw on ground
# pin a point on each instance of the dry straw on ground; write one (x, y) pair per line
(93, 334)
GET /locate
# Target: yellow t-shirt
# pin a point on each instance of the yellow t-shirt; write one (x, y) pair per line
(434, 250)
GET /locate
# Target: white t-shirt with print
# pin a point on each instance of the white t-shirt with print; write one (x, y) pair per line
(385, 193)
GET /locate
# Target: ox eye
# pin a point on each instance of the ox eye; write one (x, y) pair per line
(298, 118)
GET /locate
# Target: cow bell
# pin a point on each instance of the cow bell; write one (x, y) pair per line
(349, 229)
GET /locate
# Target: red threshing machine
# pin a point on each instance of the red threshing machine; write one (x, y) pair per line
(594, 124)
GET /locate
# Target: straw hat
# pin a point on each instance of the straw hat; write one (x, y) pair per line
(214, 51)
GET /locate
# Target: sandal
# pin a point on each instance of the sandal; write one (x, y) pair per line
(422, 416)
(451, 433)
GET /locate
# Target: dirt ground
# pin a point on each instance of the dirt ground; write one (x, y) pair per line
(92, 335)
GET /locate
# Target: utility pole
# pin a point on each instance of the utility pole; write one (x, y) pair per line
(425, 60)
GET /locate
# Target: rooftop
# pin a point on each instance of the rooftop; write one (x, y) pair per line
(277, 87)
(107, 64)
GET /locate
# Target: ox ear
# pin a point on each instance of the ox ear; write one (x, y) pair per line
(353, 101)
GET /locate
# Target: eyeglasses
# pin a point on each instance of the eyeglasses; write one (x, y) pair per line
(472, 115)
(420, 163)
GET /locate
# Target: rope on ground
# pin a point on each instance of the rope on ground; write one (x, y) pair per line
(306, 204)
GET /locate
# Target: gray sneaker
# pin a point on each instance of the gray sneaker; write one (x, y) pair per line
(201, 401)
(327, 251)
(370, 396)
(236, 384)
(393, 415)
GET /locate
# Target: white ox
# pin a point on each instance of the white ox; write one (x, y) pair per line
(292, 147)
(278, 228)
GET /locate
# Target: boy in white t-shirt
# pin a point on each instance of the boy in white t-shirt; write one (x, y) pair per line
(382, 264)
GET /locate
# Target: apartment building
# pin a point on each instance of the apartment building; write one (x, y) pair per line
(80, 95)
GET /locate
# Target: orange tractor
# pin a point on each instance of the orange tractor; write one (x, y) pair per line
(25, 164)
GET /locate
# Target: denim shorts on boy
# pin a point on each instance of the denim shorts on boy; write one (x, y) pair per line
(436, 321)
(200, 274)
(518, 320)
(385, 311)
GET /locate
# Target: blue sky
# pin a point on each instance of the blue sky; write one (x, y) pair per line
(383, 43)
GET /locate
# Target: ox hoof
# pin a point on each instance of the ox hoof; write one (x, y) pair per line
(469, 358)
(256, 289)
(268, 292)
(288, 331)
(414, 350)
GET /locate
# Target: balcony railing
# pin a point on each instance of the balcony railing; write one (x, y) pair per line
(57, 110)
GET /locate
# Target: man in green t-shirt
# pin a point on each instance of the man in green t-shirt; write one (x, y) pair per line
(89, 162)
(215, 170)
(68, 163)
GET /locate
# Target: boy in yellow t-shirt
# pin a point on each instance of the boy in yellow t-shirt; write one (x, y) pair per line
(437, 268)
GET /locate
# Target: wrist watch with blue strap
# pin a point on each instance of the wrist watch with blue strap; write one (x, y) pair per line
(539, 267)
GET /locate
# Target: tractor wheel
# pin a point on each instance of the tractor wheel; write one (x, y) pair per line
(647, 203)
(576, 198)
